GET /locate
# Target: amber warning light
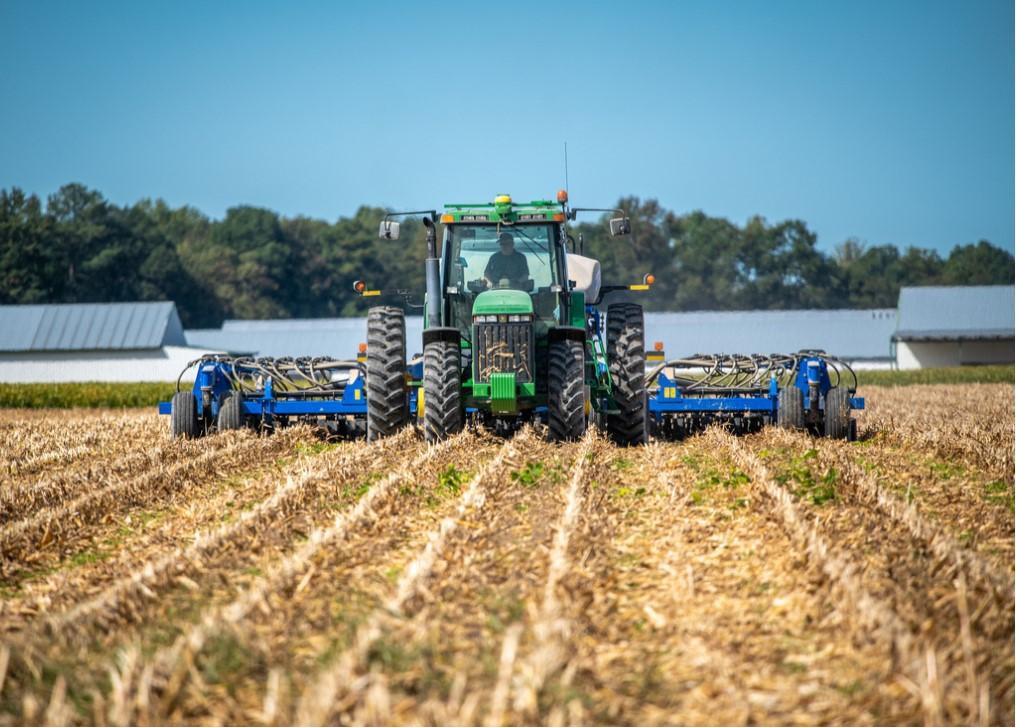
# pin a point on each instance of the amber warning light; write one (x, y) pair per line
(359, 286)
(562, 196)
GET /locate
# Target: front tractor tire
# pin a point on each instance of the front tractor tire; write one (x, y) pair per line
(387, 397)
(442, 390)
(626, 356)
(566, 394)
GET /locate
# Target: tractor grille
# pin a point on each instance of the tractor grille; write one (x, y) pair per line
(503, 348)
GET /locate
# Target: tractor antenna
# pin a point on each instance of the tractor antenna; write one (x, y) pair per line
(566, 168)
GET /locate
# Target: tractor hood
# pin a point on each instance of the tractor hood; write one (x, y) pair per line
(502, 301)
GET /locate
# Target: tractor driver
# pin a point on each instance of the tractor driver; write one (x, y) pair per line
(508, 263)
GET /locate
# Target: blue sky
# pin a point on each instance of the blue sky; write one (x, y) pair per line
(888, 121)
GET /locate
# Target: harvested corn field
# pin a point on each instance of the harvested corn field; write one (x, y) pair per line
(772, 577)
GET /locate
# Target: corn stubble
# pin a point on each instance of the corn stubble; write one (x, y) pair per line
(283, 580)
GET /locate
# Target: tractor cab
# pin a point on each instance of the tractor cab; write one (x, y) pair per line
(514, 270)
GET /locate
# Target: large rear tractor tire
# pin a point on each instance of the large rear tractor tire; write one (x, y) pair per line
(837, 414)
(442, 390)
(387, 397)
(626, 356)
(231, 414)
(566, 392)
(790, 408)
(183, 420)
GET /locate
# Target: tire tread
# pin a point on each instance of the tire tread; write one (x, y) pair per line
(566, 416)
(387, 399)
(626, 357)
(442, 390)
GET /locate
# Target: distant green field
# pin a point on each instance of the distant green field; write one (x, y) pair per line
(954, 375)
(86, 394)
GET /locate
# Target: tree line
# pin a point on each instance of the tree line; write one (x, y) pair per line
(254, 263)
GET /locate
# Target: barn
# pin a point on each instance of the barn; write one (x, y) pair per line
(954, 326)
(861, 337)
(93, 342)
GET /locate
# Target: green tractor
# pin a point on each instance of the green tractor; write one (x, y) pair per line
(513, 331)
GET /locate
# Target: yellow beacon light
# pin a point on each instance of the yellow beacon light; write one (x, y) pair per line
(503, 199)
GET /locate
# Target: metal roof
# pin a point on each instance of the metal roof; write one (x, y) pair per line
(953, 313)
(850, 334)
(89, 326)
(296, 337)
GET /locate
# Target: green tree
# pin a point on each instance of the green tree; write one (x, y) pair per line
(29, 272)
(980, 264)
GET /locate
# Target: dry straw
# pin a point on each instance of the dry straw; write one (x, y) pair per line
(321, 698)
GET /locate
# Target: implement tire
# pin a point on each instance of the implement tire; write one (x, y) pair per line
(231, 414)
(442, 390)
(566, 391)
(183, 419)
(626, 356)
(790, 408)
(387, 396)
(837, 414)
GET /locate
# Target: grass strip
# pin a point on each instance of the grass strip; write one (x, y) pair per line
(947, 375)
(88, 394)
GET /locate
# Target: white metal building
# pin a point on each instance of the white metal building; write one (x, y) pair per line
(861, 337)
(955, 326)
(934, 326)
(93, 342)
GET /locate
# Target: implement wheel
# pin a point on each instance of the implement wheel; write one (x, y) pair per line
(790, 408)
(231, 414)
(387, 398)
(442, 390)
(566, 393)
(626, 356)
(183, 420)
(837, 414)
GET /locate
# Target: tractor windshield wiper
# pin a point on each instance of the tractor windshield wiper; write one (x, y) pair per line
(529, 241)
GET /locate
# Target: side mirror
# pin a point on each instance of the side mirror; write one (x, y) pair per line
(620, 226)
(389, 230)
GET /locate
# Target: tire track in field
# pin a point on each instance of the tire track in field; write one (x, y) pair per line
(882, 579)
(152, 688)
(959, 606)
(58, 530)
(26, 443)
(691, 607)
(160, 599)
(962, 500)
(50, 586)
(436, 659)
(296, 487)
(551, 628)
(341, 685)
(75, 442)
(970, 422)
(865, 489)
(24, 499)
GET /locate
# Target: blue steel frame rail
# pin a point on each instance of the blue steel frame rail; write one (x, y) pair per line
(812, 378)
(213, 383)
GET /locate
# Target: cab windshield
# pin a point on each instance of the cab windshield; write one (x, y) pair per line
(488, 257)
